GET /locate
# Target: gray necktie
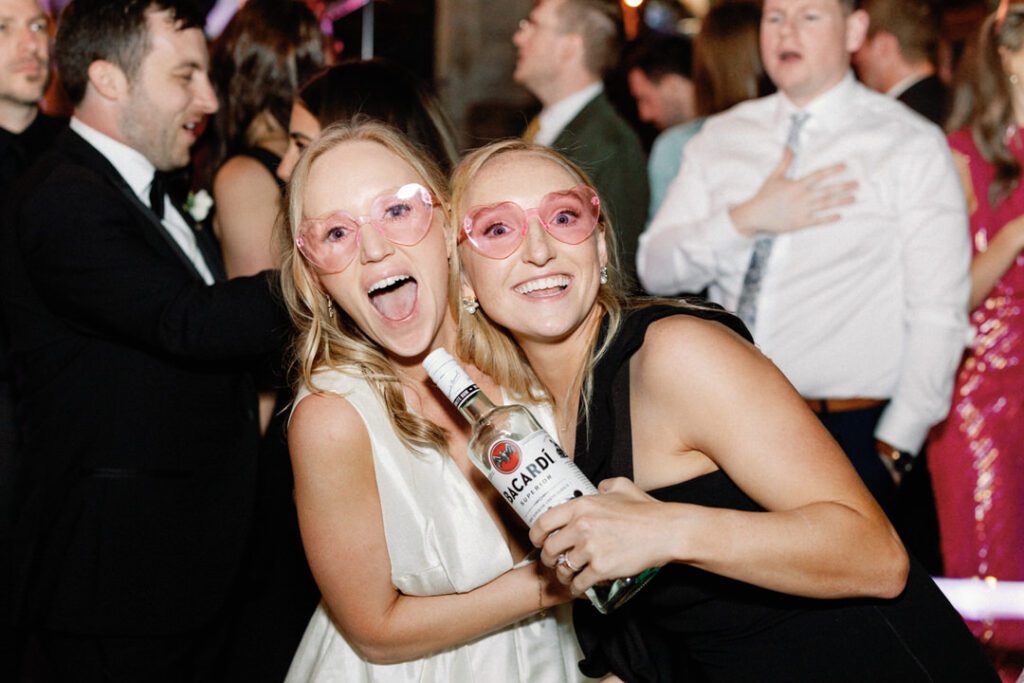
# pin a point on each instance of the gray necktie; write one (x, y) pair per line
(746, 307)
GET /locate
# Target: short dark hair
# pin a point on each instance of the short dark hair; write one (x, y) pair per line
(599, 22)
(268, 49)
(382, 91)
(113, 30)
(914, 23)
(661, 55)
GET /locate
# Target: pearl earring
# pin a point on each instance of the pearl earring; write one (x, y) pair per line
(1014, 79)
(470, 306)
(604, 275)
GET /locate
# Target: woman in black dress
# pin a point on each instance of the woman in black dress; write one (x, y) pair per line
(777, 562)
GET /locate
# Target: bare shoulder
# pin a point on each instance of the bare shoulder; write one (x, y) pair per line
(242, 175)
(678, 340)
(324, 428)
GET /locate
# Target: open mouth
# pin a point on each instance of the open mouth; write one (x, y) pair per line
(543, 286)
(789, 56)
(394, 297)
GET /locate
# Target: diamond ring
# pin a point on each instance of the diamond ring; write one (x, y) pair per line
(563, 561)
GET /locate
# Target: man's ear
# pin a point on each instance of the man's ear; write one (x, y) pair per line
(856, 30)
(108, 79)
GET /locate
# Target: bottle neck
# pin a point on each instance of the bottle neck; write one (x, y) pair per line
(476, 406)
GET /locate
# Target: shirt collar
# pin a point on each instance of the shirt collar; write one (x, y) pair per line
(827, 110)
(905, 85)
(557, 116)
(136, 169)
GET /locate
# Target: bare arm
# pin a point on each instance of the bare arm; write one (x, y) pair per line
(822, 534)
(343, 533)
(247, 200)
(990, 265)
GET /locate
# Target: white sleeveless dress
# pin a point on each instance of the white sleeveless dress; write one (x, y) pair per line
(441, 541)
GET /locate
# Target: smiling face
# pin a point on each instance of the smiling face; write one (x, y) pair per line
(806, 45)
(303, 128)
(546, 290)
(396, 294)
(170, 96)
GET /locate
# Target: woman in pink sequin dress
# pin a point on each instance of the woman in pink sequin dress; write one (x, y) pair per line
(976, 456)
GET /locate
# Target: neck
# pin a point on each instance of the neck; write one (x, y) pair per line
(905, 72)
(559, 364)
(557, 90)
(410, 369)
(15, 117)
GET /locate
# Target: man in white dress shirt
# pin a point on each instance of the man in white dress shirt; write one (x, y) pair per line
(859, 290)
(565, 48)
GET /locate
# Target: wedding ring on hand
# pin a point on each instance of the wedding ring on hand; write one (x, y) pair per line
(563, 561)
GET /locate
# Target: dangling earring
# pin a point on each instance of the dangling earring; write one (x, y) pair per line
(604, 275)
(1014, 79)
(470, 306)
(330, 307)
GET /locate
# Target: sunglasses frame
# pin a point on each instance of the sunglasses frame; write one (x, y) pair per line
(305, 226)
(465, 233)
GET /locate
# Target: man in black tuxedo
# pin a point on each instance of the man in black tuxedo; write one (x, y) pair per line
(132, 355)
(898, 56)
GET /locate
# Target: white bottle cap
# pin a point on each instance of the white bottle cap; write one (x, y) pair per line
(449, 376)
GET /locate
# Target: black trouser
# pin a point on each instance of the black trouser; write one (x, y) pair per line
(911, 507)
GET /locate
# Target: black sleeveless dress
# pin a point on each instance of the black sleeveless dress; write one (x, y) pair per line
(691, 625)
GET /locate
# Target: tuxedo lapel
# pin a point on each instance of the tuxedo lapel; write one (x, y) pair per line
(149, 225)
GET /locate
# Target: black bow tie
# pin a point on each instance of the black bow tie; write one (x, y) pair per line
(157, 192)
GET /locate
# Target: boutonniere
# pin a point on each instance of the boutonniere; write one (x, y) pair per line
(198, 205)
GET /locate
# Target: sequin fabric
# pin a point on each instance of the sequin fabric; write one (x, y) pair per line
(976, 456)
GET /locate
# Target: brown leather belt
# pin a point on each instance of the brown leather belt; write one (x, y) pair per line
(841, 405)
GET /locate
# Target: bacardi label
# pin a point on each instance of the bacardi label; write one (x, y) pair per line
(534, 474)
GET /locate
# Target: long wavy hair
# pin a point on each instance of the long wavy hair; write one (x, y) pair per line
(324, 342)
(488, 345)
(268, 49)
(983, 101)
(727, 66)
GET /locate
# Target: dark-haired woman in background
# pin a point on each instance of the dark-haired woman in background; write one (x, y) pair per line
(976, 456)
(374, 89)
(266, 52)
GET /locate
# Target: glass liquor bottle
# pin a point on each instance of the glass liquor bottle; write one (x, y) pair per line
(523, 462)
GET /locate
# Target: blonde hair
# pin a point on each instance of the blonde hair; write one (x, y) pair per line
(337, 343)
(488, 345)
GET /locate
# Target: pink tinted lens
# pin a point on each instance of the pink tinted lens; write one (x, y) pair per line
(331, 243)
(570, 217)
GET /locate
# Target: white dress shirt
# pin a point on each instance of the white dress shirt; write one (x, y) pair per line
(555, 118)
(137, 171)
(873, 305)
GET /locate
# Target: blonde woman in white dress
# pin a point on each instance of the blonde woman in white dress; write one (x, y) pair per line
(424, 573)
